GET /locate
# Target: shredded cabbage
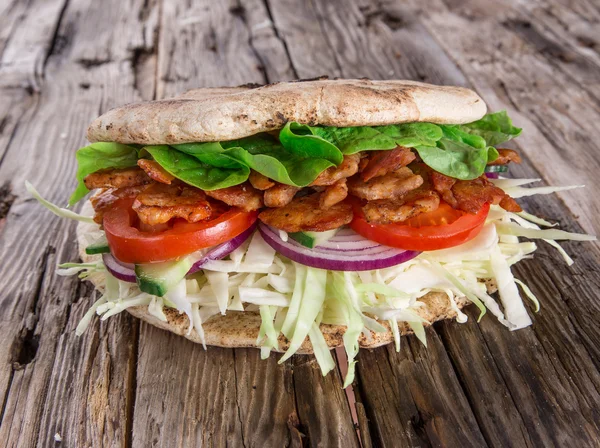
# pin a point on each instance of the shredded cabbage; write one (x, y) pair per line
(58, 211)
(295, 300)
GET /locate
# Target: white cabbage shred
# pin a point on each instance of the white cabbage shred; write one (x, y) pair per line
(293, 300)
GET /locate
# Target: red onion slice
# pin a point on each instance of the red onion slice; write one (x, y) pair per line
(125, 271)
(492, 175)
(346, 251)
(117, 269)
(223, 249)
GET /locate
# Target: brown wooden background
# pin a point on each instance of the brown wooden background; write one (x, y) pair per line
(63, 62)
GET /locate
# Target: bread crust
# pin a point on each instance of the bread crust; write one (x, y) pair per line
(229, 113)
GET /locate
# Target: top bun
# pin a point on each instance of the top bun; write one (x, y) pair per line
(229, 113)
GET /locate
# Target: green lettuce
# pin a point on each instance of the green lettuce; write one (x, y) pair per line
(302, 152)
(350, 140)
(495, 128)
(99, 156)
(265, 155)
(449, 149)
(195, 172)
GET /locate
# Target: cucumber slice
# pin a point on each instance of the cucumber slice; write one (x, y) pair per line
(100, 246)
(312, 239)
(158, 278)
(496, 169)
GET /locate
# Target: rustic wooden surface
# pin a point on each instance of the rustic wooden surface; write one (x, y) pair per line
(62, 62)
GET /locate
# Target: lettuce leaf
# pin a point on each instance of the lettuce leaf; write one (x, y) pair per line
(265, 155)
(194, 172)
(350, 140)
(305, 141)
(495, 128)
(457, 159)
(302, 152)
(99, 156)
(448, 149)
(411, 135)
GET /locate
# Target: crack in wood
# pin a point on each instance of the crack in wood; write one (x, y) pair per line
(281, 38)
(239, 11)
(58, 42)
(237, 401)
(6, 201)
(26, 345)
(131, 386)
(7, 394)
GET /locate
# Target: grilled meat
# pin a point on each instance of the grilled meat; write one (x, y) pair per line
(159, 203)
(280, 195)
(244, 196)
(390, 185)
(304, 214)
(155, 171)
(383, 162)
(117, 178)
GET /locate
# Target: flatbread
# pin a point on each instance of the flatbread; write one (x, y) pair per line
(229, 113)
(240, 329)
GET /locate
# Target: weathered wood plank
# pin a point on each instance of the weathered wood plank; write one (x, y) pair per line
(43, 349)
(265, 399)
(310, 52)
(268, 45)
(184, 396)
(494, 408)
(322, 405)
(30, 35)
(413, 398)
(90, 392)
(206, 45)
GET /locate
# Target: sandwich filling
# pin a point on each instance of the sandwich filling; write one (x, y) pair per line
(311, 225)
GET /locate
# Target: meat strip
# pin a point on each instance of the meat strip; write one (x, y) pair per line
(116, 178)
(244, 196)
(304, 214)
(506, 156)
(105, 198)
(389, 186)
(348, 167)
(260, 181)
(159, 203)
(155, 171)
(472, 194)
(389, 211)
(280, 195)
(443, 184)
(333, 194)
(383, 162)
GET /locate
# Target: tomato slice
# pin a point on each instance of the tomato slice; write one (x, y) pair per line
(440, 229)
(131, 245)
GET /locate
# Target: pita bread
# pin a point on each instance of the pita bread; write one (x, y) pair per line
(218, 114)
(240, 329)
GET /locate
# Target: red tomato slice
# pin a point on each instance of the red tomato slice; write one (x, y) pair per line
(130, 245)
(440, 229)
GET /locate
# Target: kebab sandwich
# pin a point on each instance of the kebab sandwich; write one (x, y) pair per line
(301, 216)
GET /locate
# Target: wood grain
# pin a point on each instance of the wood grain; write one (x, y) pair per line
(52, 381)
(128, 384)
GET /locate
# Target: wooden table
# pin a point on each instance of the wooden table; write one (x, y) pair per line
(63, 62)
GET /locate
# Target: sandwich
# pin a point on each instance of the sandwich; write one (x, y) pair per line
(301, 216)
